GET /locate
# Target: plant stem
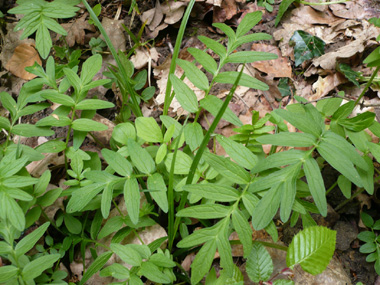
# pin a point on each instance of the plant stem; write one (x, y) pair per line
(200, 151)
(331, 187)
(367, 85)
(341, 205)
(135, 106)
(177, 47)
(171, 191)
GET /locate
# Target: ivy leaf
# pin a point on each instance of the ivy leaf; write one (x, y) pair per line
(351, 75)
(306, 47)
(284, 87)
(259, 263)
(312, 248)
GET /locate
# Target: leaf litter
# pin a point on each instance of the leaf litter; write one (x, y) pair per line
(343, 28)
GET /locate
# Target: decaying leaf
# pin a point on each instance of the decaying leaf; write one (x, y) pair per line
(358, 9)
(362, 40)
(279, 67)
(324, 85)
(159, 17)
(23, 56)
(115, 32)
(76, 30)
(307, 15)
(143, 56)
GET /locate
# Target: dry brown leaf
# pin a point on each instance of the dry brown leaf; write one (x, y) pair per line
(362, 40)
(307, 15)
(23, 56)
(153, 17)
(143, 56)
(155, 20)
(279, 67)
(357, 10)
(76, 30)
(324, 85)
(115, 32)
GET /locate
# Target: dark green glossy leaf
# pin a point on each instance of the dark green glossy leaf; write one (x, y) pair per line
(306, 47)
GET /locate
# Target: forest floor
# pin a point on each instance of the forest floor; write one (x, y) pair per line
(348, 38)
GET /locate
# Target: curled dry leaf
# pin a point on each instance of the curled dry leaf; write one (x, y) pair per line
(226, 11)
(324, 85)
(158, 18)
(362, 40)
(24, 55)
(307, 15)
(143, 56)
(279, 67)
(358, 9)
(76, 30)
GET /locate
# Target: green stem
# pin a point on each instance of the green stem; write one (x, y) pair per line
(331, 187)
(341, 205)
(177, 47)
(367, 85)
(135, 106)
(201, 149)
(322, 3)
(171, 231)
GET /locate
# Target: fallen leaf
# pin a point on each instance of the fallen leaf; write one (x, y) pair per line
(161, 16)
(324, 85)
(279, 67)
(115, 32)
(363, 40)
(23, 56)
(173, 11)
(307, 15)
(226, 11)
(357, 10)
(76, 30)
(153, 17)
(143, 56)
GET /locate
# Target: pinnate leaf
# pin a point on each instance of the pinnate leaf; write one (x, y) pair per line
(312, 248)
(259, 263)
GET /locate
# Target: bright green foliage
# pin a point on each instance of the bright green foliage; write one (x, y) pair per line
(155, 169)
(39, 18)
(259, 263)
(312, 248)
(371, 240)
(187, 97)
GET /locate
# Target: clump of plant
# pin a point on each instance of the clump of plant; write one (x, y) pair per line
(162, 172)
(371, 240)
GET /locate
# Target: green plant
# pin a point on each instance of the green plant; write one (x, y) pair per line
(267, 4)
(39, 18)
(371, 239)
(162, 172)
